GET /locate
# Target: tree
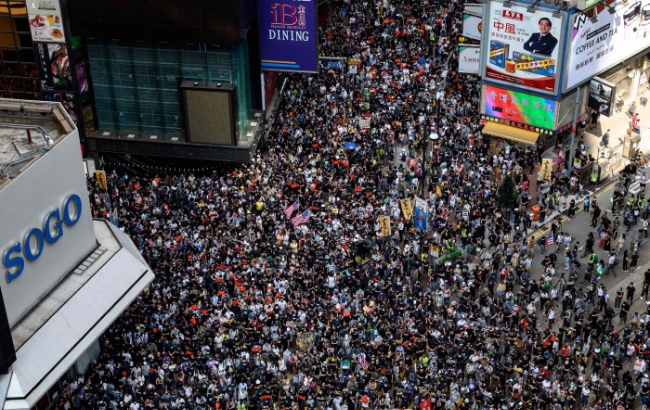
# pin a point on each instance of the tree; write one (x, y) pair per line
(507, 194)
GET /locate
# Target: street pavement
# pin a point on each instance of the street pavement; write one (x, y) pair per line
(579, 227)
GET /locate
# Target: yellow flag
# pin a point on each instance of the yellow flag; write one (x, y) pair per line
(405, 204)
(384, 226)
(100, 176)
(547, 168)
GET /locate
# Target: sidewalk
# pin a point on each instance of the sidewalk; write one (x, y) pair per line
(618, 124)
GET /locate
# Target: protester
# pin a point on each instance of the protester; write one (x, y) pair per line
(278, 287)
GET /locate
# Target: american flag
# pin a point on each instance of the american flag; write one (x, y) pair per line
(303, 218)
(291, 208)
(550, 241)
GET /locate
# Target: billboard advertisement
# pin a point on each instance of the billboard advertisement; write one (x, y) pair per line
(54, 68)
(288, 35)
(45, 20)
(520, 107)
(598, 44)
(522, 47)
(469, 58)
(601, 96)
(472, 26)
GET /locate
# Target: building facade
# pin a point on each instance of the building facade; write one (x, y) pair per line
(65, 277)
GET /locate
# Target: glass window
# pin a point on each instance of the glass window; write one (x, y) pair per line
(26, 55)
(7, 39)
(136, 87)
(5, 23)
(17, 8)
(23, 40)
(9, 55)
(21, 24)
(4, 8)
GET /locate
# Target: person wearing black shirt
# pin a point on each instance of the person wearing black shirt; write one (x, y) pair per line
(595, 214)
(630, 293)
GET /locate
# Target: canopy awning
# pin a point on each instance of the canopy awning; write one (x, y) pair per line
(511, 133)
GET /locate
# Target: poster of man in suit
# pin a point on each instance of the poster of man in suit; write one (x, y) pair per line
(542, 42)
(523, 47)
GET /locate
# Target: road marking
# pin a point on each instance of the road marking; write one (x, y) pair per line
(563, 218)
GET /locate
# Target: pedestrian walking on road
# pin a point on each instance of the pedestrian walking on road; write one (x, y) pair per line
(572, 208)
(595, 214)
(611, 264)
(625, 308)
(621, 243)
(589, 245)
(629, 296)
(618, 298)
(634, 259)
(626, 261)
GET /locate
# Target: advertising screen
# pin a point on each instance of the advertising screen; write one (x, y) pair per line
(472, 26)
(601, 96)
(288, 35)
(598, 44)
(523, 48)
(469, 59)
(45, 20)
(520, 107)
(54, 68)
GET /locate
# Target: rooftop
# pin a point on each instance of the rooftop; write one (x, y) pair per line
(27, 130)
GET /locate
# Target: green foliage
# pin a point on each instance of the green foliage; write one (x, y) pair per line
(507, 194)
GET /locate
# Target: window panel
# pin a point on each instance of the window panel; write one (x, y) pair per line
(26, 55)
(9, 55)
(22, 24)
(136, 87)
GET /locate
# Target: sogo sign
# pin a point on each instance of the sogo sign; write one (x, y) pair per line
(34, 242)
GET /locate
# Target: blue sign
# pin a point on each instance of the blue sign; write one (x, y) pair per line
(34, 242)
(288, 35)
(420, 214)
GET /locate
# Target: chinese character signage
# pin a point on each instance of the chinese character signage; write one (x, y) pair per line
(288, 35)
(520, 107)
(53, 66)
(601, 96)
(523, 48)
(469, 59)
(45, 21)
(384, 226)
(598, 44)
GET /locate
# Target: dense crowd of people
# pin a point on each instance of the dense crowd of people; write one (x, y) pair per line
(277, 286)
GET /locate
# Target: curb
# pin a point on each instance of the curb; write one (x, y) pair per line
(579, 208)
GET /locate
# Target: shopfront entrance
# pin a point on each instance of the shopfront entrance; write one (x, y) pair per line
(505, 132)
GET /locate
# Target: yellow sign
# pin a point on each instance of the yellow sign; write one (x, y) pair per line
(100, 176)
(407, 209)
(547, 168)
(384, 226)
